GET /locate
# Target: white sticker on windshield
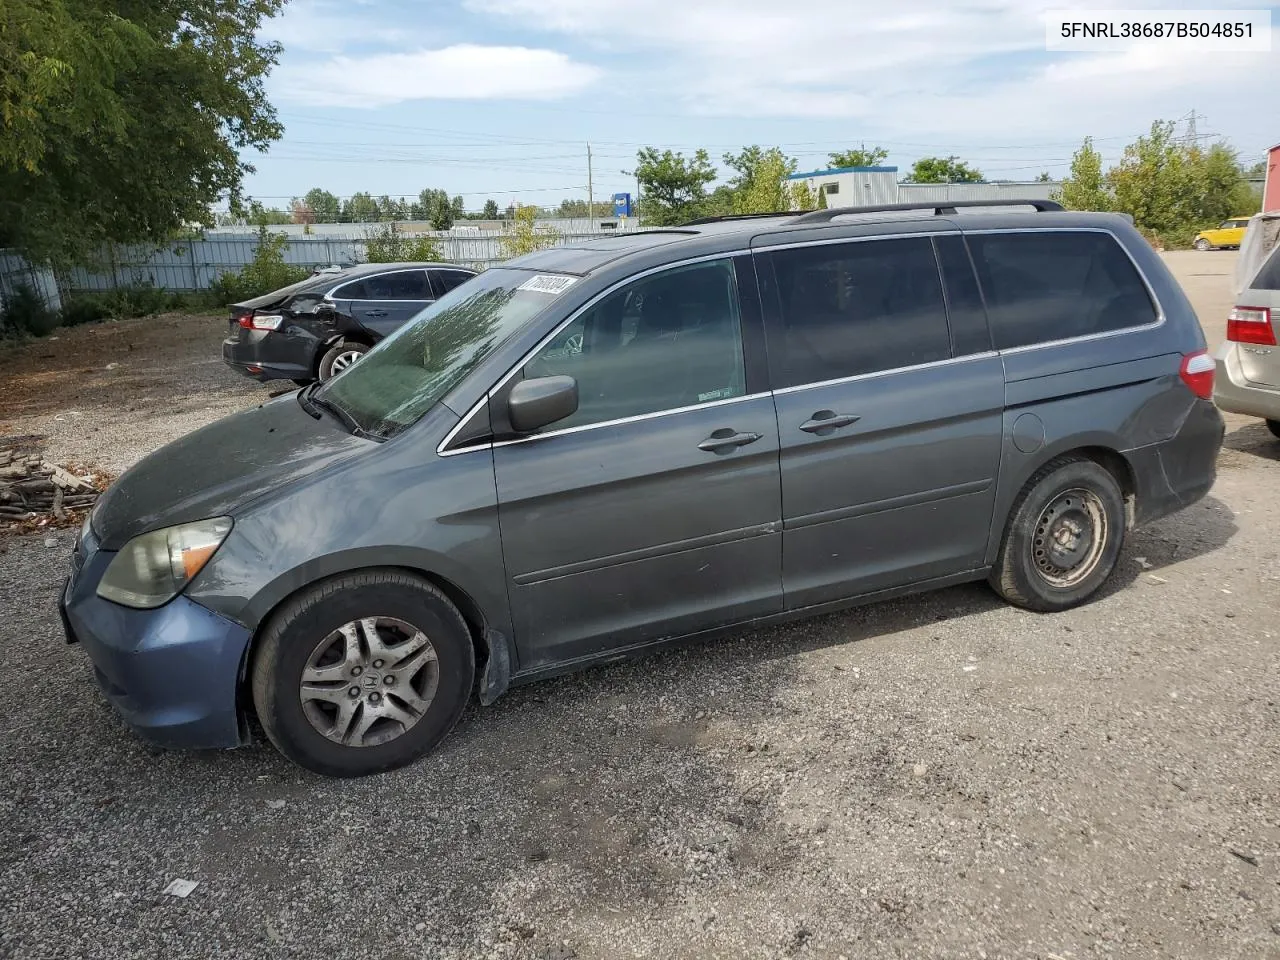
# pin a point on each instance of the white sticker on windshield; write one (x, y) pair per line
(548, 283)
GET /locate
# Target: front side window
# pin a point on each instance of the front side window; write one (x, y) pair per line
(1043, 285)
(856, 308)
(666, 341)
(410, 371)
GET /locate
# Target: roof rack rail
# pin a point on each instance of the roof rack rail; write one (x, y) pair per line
(741, 216)
(939, 209)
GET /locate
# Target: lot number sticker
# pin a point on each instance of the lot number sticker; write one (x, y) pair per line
(548, 283)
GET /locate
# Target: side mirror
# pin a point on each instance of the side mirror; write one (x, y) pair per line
(535, 403)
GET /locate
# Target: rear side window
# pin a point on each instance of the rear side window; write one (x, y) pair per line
(1044, 286)
(401, 285)
(1268, 277)
(855, 308)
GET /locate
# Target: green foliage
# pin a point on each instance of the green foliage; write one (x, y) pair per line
(861, 157)
(802, 197)
(524, 236)
(266, 272)
(122, 121)
(761, 184)
(1085, 187)
(436, 207)
(822, 200)
(84, 308)
(324, 206)
(1044, 177)
(259, 216)
(24, 314)
(360, 208)
(491, 210)
(386, 244)
(943, 170)
(674, 188)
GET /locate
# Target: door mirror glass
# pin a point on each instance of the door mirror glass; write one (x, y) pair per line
(534, 404)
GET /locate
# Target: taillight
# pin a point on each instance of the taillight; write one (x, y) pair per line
(1251, 325)
(261, 321)
(1197, 373)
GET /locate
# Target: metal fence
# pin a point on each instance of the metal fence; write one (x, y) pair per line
(16, 272)
(196, 264)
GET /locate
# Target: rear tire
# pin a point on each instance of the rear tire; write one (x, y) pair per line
(1274, 427)
(1065, 532)
(363, 673)
(340, 356)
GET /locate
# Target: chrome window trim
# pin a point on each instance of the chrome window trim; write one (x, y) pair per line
(950, 361)
(828, 241)
(1155, 300)
(383, 273)
(442, 447)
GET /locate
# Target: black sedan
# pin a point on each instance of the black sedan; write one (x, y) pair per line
(320, 326)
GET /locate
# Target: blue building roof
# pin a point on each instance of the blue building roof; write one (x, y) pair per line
(833, 170)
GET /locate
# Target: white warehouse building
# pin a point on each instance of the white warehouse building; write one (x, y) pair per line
(872, 186)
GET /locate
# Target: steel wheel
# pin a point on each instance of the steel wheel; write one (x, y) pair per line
(369, 682)
(344, 360)
(1069, 538)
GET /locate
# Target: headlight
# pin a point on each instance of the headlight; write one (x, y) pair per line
(153, 568)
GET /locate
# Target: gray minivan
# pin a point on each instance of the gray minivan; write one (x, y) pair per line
(606, 446)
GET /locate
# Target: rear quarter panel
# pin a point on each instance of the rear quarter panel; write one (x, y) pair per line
(1120, 391)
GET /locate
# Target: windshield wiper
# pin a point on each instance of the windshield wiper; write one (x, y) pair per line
(344, 418)
(304, 399)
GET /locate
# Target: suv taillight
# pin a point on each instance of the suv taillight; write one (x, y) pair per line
(1197, 373)
(1251, 325)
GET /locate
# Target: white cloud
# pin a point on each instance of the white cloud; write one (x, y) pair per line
(326, 26)
(458, 72)
(974, 67)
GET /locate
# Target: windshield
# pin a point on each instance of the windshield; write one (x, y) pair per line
(407, 373)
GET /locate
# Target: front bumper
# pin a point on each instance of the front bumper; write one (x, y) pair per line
(1235, 394)
(172, 673)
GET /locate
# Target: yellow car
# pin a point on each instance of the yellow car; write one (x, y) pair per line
(1229, 234)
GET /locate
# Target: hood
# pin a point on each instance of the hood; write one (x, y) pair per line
(211, 472)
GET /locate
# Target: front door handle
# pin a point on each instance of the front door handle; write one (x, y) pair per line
(724, 440)
(828, 420)
(375, 313)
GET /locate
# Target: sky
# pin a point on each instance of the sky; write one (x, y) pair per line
(500, 98)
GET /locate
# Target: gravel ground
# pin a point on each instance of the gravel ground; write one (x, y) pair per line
(938, 776)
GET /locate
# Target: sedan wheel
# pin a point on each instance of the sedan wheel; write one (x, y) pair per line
(1203, 244)
(340, 357)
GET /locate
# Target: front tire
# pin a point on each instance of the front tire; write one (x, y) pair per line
(1202, 244)
(1274, 427)
(363, 673)
(340, 356)
(1064, 535)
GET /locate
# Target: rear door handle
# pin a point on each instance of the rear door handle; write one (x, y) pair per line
(724, 440)
(828, 420)
(375, 313)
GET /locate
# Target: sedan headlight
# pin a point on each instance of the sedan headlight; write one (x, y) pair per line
(153, 568)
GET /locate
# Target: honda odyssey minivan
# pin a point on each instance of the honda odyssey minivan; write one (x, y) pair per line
(599, 448)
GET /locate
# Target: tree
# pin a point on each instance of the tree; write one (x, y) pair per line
(943, 170)
(323, 204)
(1044, 177)
(389, 209)
(1256, 172)
(1085, 187)
(299, 212)
(435, 206)
(674, 187)
(524, 236)
(1151, 180)
(491, 209)
(387, 244)
(861, 157)
(360, 208)
(761, 185)
(261, 216)
(124, 121)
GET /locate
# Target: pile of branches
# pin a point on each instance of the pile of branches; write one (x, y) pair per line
(31, 488)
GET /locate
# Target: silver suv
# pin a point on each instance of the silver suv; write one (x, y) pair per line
(601, 448)
(1248, 361)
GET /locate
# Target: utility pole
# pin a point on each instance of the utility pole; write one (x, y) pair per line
(591, 202)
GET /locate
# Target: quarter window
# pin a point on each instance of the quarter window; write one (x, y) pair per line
(856, 308)
(667, 341)
(448, 279)
(1043, 286)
